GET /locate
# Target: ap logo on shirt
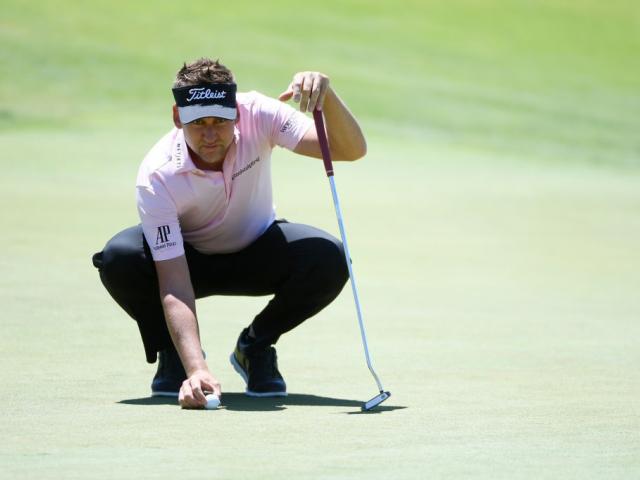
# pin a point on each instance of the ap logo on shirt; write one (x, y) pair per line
(162, 238)
(163, 234)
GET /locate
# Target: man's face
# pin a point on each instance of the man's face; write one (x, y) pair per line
(208, 137)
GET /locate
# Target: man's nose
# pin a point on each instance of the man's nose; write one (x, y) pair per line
(210, 132)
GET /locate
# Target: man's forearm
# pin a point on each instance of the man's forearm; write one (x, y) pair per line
(182, 323)
(346, 139)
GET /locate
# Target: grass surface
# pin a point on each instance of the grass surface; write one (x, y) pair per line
(494, 228)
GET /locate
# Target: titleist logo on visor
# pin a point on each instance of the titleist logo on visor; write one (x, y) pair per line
(206, 94)
(202, 94)
(206, 100)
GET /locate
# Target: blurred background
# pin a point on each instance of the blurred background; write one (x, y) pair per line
(552, 80)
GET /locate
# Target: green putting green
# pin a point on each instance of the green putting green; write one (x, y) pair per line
(494, 228)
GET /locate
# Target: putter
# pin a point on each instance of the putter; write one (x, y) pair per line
(328, 166)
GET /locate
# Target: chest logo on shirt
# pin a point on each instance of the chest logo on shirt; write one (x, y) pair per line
(245, 168)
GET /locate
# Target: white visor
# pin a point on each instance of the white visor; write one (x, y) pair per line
(193, 112)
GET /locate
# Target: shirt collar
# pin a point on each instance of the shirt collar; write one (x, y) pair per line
(180, 155)
(236, 133)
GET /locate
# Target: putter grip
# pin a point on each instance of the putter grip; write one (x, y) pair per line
(322, 139)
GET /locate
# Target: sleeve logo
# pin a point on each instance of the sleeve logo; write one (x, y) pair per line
(162, 238)
(288, 126)
(163, 234)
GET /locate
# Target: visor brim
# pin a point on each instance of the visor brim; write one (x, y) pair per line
(194, 112)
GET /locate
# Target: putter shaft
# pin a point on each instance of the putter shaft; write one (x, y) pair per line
(326, 158)
(354, 289)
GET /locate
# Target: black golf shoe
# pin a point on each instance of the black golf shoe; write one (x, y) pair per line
(258, 367)
(170, 375)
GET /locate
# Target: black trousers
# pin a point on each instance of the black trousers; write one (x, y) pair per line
(303, 267)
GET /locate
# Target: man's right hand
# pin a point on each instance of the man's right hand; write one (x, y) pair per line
(194, 388)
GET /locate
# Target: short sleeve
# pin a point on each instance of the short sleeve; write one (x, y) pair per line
(160, 224)
(284, 125)
(291, 125)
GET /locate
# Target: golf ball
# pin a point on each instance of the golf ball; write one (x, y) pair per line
(212, 401)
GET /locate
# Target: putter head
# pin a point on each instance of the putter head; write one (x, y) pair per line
(375, 401)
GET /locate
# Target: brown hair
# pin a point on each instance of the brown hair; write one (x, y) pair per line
(203, 70)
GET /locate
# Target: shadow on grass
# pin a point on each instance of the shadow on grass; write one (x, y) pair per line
(240, 402)
(151, 401)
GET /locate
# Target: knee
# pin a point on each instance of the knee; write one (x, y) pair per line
(330, 265)
(117, 259)
(122, 260)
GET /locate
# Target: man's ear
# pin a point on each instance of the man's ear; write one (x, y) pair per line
(176, 117)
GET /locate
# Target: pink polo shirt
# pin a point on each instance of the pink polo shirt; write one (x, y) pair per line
(216, 212)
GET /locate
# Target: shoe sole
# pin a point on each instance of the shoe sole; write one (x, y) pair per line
(164, 394)
(250, 393)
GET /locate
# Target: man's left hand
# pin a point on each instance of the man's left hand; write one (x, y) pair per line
(308, 89)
